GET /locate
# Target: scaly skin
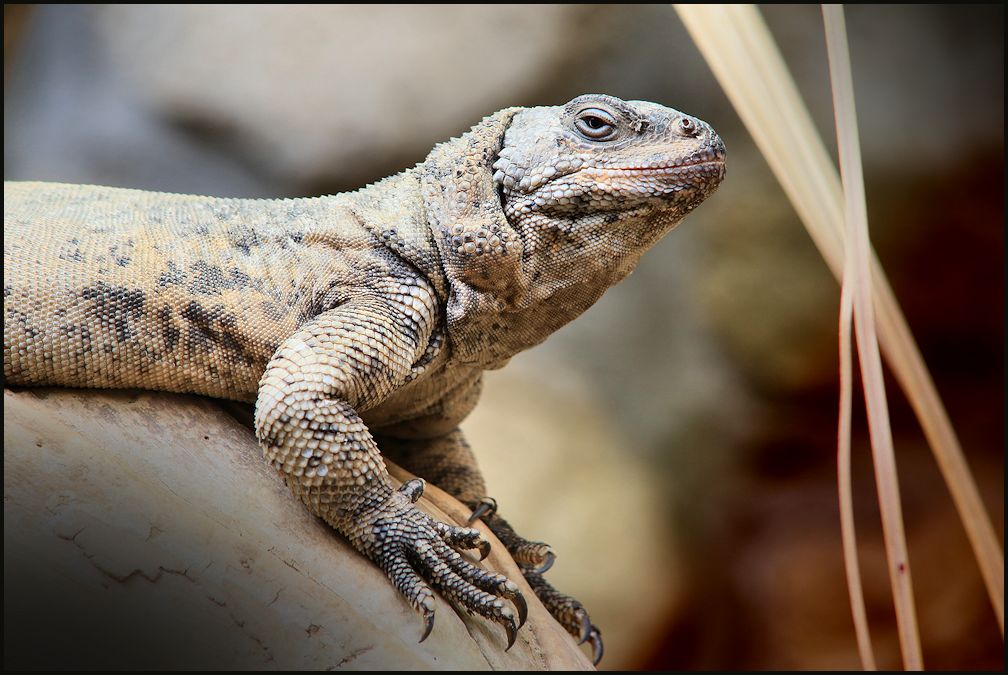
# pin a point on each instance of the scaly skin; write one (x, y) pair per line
(361, 316)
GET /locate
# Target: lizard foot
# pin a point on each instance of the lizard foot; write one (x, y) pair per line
(534, 558)
(415, 549)
(569, 612)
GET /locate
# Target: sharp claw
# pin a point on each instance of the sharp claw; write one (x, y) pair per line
(596, 643)
(586, 627)
(413, 488)
(550, 559)
(512, 633)
(486, 506)
(429, 621)
(521, 606)
(484, 549)
(477, 513)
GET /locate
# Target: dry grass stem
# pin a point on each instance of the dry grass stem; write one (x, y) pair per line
(743, 56)
(847, 531)
(857, 278)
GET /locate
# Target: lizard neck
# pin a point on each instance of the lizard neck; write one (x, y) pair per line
(509, 284)
(393, 212)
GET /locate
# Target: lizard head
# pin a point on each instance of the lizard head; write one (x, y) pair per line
(606, 174)
(535, 212)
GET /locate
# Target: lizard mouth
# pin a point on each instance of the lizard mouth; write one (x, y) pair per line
(700, 168)
(662, 168)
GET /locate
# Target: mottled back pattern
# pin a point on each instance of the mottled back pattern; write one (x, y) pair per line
(107, 287)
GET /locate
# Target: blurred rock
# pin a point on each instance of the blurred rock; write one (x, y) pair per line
(349, 92)
(69, 117)
(562, 473)
(766, 291)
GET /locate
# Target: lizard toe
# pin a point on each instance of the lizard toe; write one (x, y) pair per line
(596, 642)
(428, 624)
(586, 626)
(419, 595)
(413, 489)
(418, 552)
(492, 582)
(530, 555)
(461, 591)
(486, 507)
(533, 555)
(512, 633)
(461, 537)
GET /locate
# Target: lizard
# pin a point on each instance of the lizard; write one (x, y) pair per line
(360, 324)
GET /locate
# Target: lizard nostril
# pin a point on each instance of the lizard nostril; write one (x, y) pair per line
(688, 126)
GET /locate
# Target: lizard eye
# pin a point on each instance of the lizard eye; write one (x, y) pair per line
(595, 124)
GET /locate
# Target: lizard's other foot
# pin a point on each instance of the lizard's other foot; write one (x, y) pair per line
(569, 612)
(534, 558)
(415, 549)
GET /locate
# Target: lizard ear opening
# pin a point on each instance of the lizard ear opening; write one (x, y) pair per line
(480, 251)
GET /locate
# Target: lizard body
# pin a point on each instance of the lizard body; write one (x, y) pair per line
(362, 320)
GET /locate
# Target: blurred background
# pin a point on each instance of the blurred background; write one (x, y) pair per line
(676, 445)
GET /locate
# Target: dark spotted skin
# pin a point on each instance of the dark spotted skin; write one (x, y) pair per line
(361, 316)
(186, 310)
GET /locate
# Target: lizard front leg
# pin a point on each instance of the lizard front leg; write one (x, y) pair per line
(307, 423)
(448, 462)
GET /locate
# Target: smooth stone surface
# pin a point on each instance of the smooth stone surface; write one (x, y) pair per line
(144, 530)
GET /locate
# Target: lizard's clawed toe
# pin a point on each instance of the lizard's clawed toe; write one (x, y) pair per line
(596, 642)
(415, 549)
(568, 611)
(534, 559)
(413, 489)
(533, 556)
(486, 507)
(586, 626)
(462, 537)
(512, 633)
(521, 606)
(428, 624)
(546, 564)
